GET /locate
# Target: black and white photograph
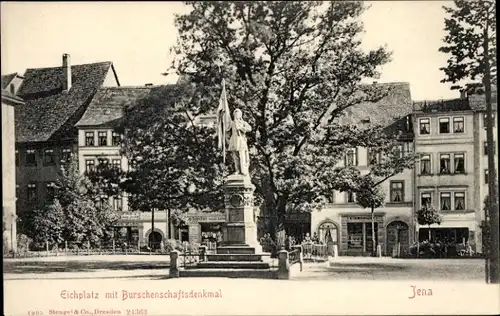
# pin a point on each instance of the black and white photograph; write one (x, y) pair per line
(250, 158)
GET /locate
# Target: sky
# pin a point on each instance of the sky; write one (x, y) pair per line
(136, 37)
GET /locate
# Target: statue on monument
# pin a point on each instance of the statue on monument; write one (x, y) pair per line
(238, 143)
(238, 140)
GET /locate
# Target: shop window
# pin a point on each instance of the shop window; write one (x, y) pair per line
(89, 138)
(103, 138)
(444, 163)
(445, 201)
(355, 236)
(425, 199)
(459, 163)
(444, 125)
(397, 191)
(425, 126)
(459, 201)
(425, 164)
(458, 125)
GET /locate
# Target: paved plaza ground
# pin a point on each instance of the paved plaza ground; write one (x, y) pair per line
(156, 266)
(344, 285)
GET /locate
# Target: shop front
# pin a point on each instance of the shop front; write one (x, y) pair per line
(204, 225)
(356, 234)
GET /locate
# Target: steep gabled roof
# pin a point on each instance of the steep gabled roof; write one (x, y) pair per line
(394, 106)
(48, 108)
(6, 79)
(107, 106)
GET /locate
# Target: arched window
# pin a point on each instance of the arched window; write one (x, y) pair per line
(328, 232)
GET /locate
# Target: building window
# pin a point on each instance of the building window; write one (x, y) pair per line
(31, 192)
(486, 178)
(30, 157)
(350, 197)
(117, 203)
(89, 138)
(116, 139)
(103, 138)
(459, 163)
(355, 236)
(48, 157)
(51, 191)
(458, 125)
(89, 165)
(132, 165)
(425, 126)
(425, 164)
(445, 201)
(351, 158)
(397, 191)
(407, 147)
(444, 163)
(373, 157)
(398, 151)
(425, 199)
(116, 164)
(65, 155)
(444, 125)
(485, 148)
(485, 117)
(459, 201)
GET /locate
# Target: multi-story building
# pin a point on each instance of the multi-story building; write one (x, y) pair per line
(343, 222)
(9, 102)
(99, 140)
(452, 172)
(55, 98)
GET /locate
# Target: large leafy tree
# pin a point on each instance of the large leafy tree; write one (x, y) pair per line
(293, 68)
(75, 214)
(470, 42)
(173, 162)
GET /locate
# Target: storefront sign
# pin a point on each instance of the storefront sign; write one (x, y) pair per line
(209, 217)
(363, 218)
(130, 216)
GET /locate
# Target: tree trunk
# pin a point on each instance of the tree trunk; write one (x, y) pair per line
(492, 175)
(374, 244)
(152, 229)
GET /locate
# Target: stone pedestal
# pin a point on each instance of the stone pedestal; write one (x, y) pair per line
(241, 226)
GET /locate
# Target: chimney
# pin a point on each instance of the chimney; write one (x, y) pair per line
(66, 65)
(463, 94)
(148, 84)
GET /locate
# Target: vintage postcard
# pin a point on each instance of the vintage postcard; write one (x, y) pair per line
(250, 158)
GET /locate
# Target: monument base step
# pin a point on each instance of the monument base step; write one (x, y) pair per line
(230, 265)
(234, 257)
(236, 249)
(229, 273)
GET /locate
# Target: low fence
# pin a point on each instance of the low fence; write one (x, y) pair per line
(105, 248)
(314, 252)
